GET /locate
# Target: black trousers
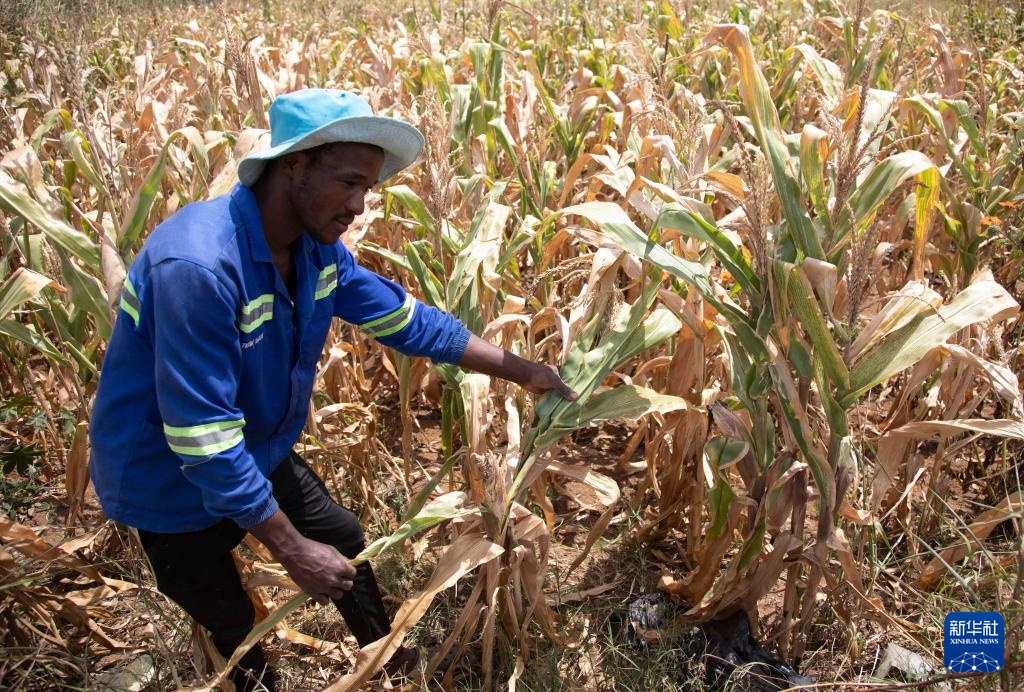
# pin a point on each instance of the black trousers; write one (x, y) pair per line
(195, 570)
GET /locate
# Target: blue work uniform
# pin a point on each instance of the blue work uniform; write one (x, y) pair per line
(209, 370)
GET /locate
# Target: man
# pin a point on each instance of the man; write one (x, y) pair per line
(210, 368)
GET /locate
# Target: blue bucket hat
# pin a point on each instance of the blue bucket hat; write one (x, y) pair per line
(307, 118)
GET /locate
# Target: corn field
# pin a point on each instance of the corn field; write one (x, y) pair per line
(775, 246)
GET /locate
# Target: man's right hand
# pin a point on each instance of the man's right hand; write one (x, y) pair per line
(318, 569)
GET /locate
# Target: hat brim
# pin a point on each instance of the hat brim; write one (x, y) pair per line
(400, 141)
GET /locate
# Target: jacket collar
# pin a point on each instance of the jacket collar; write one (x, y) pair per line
(245, 201)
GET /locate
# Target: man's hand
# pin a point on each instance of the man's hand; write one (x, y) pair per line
(543, 378)
(488, 359)
(318, 569)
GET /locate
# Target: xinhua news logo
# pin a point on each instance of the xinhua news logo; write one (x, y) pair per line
(973, 642)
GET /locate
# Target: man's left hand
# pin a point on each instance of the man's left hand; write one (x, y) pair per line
(544, 378)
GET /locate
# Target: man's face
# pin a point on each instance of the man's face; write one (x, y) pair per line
(328, 188)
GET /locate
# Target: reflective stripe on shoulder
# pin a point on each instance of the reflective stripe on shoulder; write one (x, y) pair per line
(326, 282)
(256, 312)
(130, 301)
(392, 322)
(204, 440)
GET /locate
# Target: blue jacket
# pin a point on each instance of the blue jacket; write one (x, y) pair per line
(208, 374)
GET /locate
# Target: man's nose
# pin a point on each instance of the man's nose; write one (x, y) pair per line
(356, 201)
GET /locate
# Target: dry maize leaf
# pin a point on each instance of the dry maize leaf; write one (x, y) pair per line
(857, 516)
(76, 472)
(25, 541)
(1002, 380)
(7, 562)
(465, 625)
(465, 554)
(579, 596)
(943, 428)
(728, 182)
(607, 489)
(22, 286)
(978, 531)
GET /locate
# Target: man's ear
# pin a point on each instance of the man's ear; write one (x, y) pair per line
(292, 163)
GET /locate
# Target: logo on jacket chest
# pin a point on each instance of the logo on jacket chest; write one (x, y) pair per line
(252, 342)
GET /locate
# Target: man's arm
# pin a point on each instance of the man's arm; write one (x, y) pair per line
(481, 356)
(382, 309)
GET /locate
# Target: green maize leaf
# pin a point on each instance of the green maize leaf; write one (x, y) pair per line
(805, 306)
(433, 291)
(28, 335)
(813, 156)
(661, 325)
(961, 110)
(74, 142)
(835, 414)
(764, 118)
(71, 328)
(721, 453)
(439, 509)
(586, 368)
(479, 253)
(903, 348)
(16, 201)
(23, 285)
(878, 105)
(630, 334)
(689, 224)
(460, 110)
(751, 549)
(914, 298)
(522, 237)
(30, 246)
(504, 138)
(720, 500)
(49, 122)
(627, 402)
(828, 74)
(799, 425)
(935, 118)
(201, 157)
(739, 365)
(390, 255)
(147, 192)
(412, 203)
(87, 294)
(424, 494)
(617, 225)
(882, 181)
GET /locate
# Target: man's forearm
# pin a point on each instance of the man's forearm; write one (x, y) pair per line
(481, 356)
(488, 359)
(279, 535)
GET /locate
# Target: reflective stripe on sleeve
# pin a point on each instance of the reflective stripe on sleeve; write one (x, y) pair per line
(256, 312)
(392, 322)
(326, 282)
(130, 301)
(204, 440)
